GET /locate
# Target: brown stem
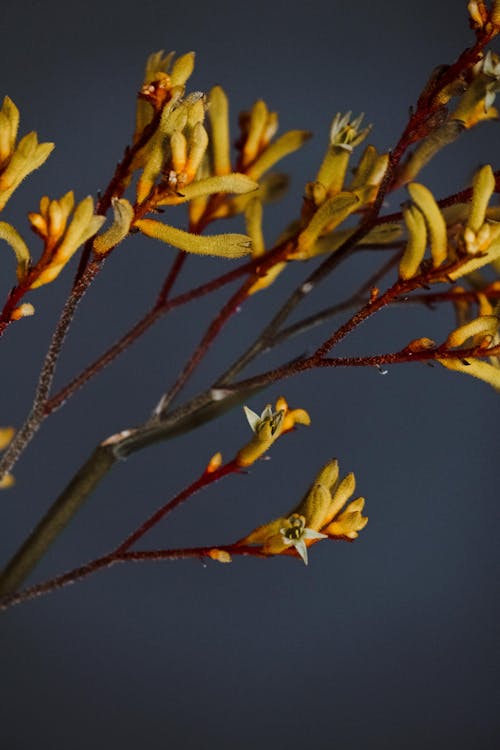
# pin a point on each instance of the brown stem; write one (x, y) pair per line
(83, 571)
(37, 413)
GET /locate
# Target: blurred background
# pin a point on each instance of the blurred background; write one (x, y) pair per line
(389, 642)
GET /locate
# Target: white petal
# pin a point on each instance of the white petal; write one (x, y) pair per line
(267, 413)
(252, 417)
(301, 548)
(311, 534)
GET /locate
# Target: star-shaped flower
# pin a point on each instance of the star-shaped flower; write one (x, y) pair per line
(295, 533)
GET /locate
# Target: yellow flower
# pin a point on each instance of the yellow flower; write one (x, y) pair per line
(296, 534)
(17, 161)
(345, 134)
(482, 332)
(60, 239)
(321, 514)
(268, 427)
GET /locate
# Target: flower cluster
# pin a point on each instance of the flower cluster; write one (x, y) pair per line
(322, 514)
(464, 246)
(189, 160)
(17, 159)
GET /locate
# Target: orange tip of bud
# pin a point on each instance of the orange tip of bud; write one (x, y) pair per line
(418, 345)
(214, 463)
(6, 481)
(23, 311)
(220, 555)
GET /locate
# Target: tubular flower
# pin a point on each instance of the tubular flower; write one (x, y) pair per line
(258, 151)
(321, 514)
(466, 237)
(161, 76)
(481, 332)
(61, 239)
(345, 134)
(476, 103)
(267, 428)
(480, 239)
(17, 161)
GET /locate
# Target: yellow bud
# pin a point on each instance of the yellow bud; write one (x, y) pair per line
(223, 245)
(253, 220)
(484, 325)
(340, 496)
(332, 171)
(182, 69)
(7, 481)
(436, 224)
(197, 146)
(6, 435)
(214, 463)
(231, 183)
(417, 242)
(178, 147)
(495, 12)
(220, 555)
(329, 474)
(20, 248)
(332, 213)
(315, 507)
(483, 186)
(478, 261)
(268, 278)
(286, 144)
(476, 368)
(258, 118)
(218, 112)
(23, 311)
(123, 214)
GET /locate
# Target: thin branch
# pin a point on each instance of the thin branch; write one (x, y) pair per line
(83, 571)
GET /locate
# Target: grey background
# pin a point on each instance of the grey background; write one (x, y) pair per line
(390, 642)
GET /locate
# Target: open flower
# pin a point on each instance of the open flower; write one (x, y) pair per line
(295, 534)
(323, 513)
(268, 427)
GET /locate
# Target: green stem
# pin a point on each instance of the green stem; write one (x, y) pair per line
(56, 518)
